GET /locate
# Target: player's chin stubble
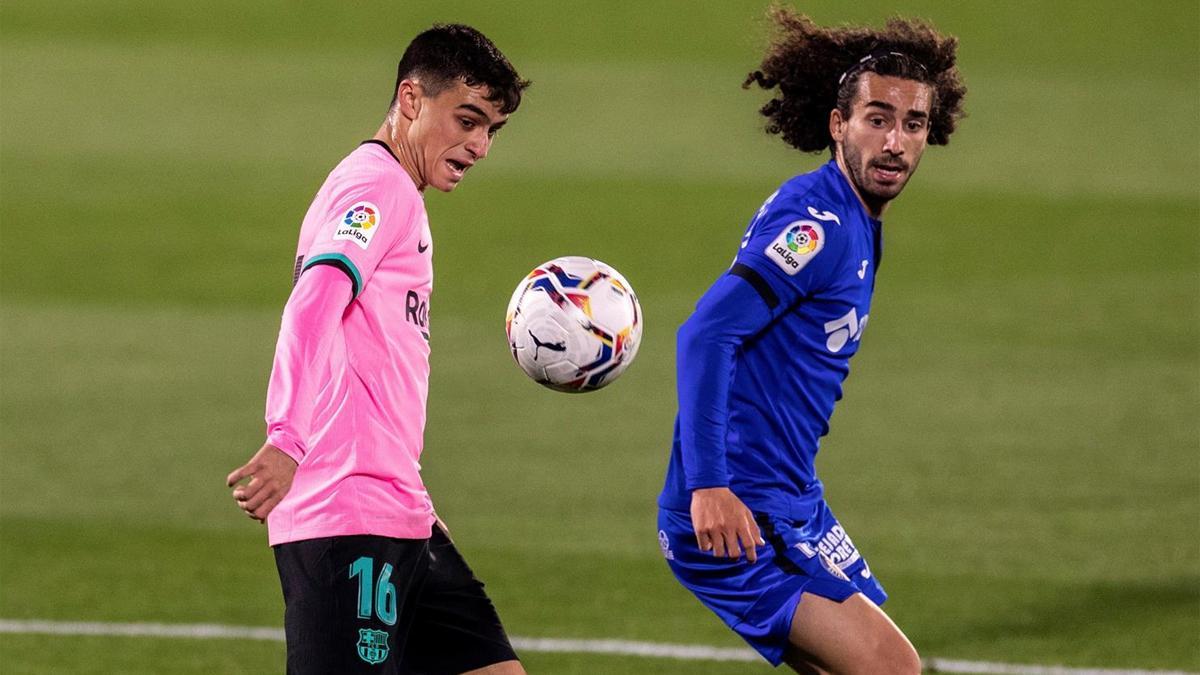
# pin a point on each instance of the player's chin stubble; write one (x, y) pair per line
(878, 196)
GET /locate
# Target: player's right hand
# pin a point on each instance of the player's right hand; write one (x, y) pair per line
(270, 472)
(724, 525)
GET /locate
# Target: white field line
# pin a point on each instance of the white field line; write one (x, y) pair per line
(969, 667)
(205, 631)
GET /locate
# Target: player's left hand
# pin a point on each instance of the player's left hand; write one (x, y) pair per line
(724, 524)
(270, 472)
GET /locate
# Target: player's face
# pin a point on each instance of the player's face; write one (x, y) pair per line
(882, 142)
(452, 131)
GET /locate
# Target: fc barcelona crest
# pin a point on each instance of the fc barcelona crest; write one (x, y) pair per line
(372, 645)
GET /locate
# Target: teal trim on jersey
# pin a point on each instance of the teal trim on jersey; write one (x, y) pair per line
(342, 261)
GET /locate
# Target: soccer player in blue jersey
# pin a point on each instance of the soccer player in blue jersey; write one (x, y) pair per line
(743, 521)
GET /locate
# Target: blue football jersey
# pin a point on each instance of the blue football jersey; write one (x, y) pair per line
(762, 359)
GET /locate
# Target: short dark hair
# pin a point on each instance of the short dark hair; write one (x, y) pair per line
(449, 52)
(816, 69)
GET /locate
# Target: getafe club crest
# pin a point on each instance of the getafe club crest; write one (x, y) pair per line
(665, 544)
(372, 645)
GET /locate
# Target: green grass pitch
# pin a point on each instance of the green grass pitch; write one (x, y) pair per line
(1016, 454)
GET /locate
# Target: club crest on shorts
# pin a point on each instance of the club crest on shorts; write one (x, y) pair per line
(665, 544)
(358, 224)
(372, 645)
(797, 244)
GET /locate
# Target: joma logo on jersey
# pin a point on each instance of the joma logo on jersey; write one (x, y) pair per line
(416, 312)
(824, 215)
(359, 224)
(796, 245)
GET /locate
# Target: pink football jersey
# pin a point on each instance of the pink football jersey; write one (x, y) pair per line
(356, 426)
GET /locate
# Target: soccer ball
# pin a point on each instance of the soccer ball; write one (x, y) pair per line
(573, 324)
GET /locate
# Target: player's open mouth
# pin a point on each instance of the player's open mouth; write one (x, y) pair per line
(888, 173)
(457, 168)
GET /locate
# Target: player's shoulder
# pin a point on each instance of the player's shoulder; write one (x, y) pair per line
(815, 195)
(366, 197)
(372, 168)
(809, 202)
(799, 226)
(370, 180)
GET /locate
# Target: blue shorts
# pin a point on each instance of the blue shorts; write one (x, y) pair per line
(759, 600)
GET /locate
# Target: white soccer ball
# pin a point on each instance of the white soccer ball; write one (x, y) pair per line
(574, 324)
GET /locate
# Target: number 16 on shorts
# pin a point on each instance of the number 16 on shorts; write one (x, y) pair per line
(375, 596)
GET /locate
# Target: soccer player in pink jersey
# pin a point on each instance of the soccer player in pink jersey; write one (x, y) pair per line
(371, 581)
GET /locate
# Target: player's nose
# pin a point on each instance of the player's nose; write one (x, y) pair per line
(892, 142)
(479, 145)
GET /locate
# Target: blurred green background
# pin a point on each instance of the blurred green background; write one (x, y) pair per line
(1017, 452)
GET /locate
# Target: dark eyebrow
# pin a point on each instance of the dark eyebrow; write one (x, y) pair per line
(473, 108)
(479, 111)
(891, 108)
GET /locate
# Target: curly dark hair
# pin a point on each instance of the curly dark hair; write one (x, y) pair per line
(804, 62)
(449, 52)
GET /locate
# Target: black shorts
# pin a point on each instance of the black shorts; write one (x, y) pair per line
(367, 604)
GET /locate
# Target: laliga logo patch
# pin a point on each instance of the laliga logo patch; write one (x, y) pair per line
(359, 224)
(803, 240)
(796, 245)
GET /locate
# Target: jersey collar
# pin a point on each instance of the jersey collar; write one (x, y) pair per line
(376, 141)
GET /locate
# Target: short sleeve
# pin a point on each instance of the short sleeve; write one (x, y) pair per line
(787, 253)
(360, 229)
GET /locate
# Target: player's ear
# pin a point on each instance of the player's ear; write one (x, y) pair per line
(408, 98)
(837, 126)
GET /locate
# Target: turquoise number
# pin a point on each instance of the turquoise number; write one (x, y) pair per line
(385, 590)
(385, 596)
(364, 569)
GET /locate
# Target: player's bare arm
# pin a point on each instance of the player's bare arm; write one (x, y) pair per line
(270, 472)
(724, 525)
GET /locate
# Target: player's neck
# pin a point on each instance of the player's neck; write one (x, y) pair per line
(393, 137)
(875, 210)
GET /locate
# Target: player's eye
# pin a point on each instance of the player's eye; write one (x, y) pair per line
(916, 125)
(467, 123)
(876, 122)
